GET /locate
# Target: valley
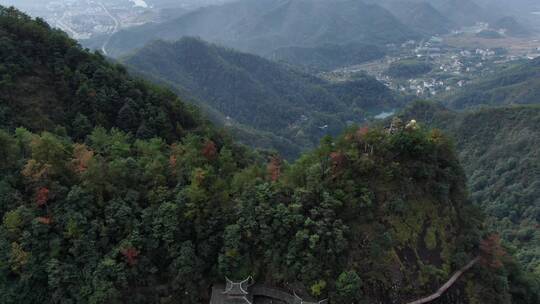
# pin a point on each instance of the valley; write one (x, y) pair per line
(455, 61)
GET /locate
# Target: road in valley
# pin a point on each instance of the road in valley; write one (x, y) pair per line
(115, 29)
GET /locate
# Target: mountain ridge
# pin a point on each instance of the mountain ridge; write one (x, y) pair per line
(421, 16)
(303, 23)
(259, 93)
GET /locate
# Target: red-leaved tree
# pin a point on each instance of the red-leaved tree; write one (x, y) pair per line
(274, 168)
(209, 150)
(173, 160)
(42, 196)
(491, 251)
(338, 160)
(45, 220)
(130, 254)
(362, 132)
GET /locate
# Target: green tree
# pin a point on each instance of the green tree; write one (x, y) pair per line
(348, 287)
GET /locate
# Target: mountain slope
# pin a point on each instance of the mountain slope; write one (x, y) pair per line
(259, 93)
(436, 16)
(421, 16)
(498, 148)
(518, 9)
(263, 26)
(314, 22)
(462, 12)
(516, 84)
(511, 26)
(327, 57)
(197, 67)
(86, 208)
(51, 82)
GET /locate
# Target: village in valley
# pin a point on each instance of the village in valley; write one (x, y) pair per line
(454, 60)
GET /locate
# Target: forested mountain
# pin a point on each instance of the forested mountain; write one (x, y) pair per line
(262, 94)
(79, 198)
(266, 25)
(327, 57)
(112, 214)
(498, 148)
(511, 27)
(48, 81)
(462, 12)
(437, 16)
(420, 16)
(518, 9)
(515, 84)
(441, 16)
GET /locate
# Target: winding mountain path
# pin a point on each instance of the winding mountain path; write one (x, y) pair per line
(447, 285)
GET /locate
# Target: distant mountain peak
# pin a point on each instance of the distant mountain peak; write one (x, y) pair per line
(265, 25)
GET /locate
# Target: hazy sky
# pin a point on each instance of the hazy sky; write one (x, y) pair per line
(166, 3)
(22, 3)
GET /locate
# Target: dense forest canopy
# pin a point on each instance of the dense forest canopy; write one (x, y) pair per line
(115, 219)
(115, 191)
(499, 151)
(48, 81)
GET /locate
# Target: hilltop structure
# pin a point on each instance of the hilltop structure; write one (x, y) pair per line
(246, 292)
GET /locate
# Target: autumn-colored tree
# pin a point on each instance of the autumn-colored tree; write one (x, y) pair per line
(45, 220)
(338, 160)
(130, 254)
(173, 160)
(274, 168)
(362, 132)
(42, 196)
(35, 171)
(209, 150)
(360, 136)
(492, 252)
(81, 157)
